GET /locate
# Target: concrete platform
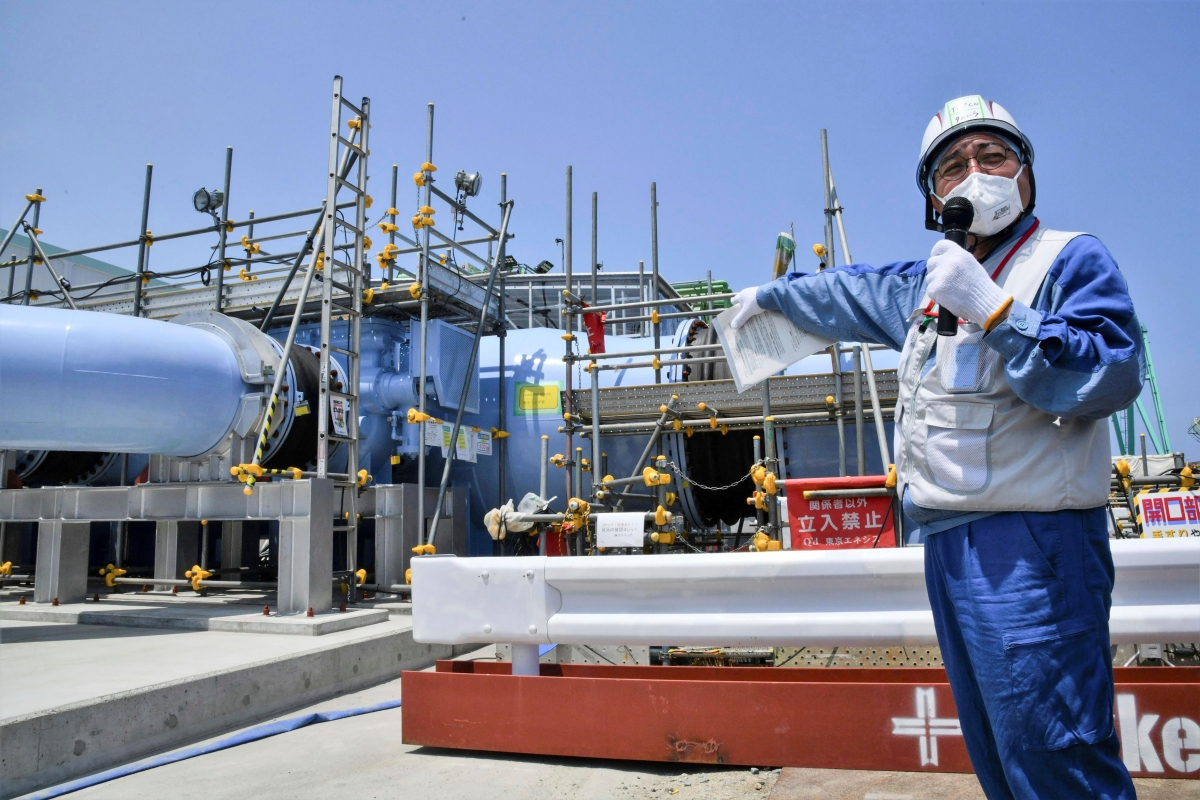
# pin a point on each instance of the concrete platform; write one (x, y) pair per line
(192, 617)
(77, 699)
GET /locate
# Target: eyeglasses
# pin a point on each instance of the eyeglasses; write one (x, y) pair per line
(990, 157)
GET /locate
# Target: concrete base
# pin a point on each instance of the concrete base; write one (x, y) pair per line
(195, 618)
(51, 744)
(176, 547)
(62, 549)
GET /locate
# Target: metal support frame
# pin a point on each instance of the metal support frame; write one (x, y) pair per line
(36, 253)
(654, 268)
(32, 259)
(223, 234)
(12, 231)
(143, 243)
(466, 387)
(423, 289)
(568, 333)
(501, 442)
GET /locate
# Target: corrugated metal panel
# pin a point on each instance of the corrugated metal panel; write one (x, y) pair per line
(449, 350)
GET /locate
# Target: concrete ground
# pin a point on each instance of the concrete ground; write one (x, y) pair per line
(45, 664)
(364, 756)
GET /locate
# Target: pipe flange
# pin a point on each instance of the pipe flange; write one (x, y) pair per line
(256, 353)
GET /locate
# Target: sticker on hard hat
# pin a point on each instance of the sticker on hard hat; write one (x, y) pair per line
(963, 109)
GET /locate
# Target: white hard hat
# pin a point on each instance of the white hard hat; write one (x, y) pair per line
(962, 115)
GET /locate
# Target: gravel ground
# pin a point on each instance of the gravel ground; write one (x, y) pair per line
(714, 783)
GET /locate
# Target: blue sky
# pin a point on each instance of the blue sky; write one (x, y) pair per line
(720, 103)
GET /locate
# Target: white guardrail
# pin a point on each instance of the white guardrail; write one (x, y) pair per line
(816, 599)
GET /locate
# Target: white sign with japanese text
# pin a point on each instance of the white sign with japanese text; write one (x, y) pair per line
(1169, 515)
(620, 530)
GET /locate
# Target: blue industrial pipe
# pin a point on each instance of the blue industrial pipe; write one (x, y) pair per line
(241, 737)
(81, 380)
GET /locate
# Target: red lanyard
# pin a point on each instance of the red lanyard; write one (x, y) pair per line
(1003, 263)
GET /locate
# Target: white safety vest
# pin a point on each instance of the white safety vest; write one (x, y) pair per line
(965, 440)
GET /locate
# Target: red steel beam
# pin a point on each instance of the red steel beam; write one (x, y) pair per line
(854, 718)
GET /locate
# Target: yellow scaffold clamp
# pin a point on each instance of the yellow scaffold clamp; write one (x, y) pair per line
(558, 460)
(247, 474)
(360, 577)
(428, 167)
(670, 498)
(758, 500)
(769, 484)
(425, 550)
(388, 227)
(368, 296)
(6, 569)
(363, 478)
(654, 316)
(251, 247)
(197, 574)
(419, 179)
(244, 274)
(890, 481)
(1123, 470)
(762, 542)
(354, 124)
(652, 477)
(819, 250)
(35, 198)
(499, 434)
(1186, 478)
(758, 474)
(663, 537)
(414, 416)
(110, 573)
(661, 516)
(415, 291)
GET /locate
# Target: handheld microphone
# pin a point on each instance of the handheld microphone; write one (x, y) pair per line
(956, 220)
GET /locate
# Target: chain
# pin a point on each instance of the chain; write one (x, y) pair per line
(672, 466)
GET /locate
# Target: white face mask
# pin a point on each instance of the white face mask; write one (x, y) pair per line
(997, 201)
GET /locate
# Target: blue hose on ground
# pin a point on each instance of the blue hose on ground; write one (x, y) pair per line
(241, 737)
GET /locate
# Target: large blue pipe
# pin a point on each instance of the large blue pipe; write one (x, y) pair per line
(81, 380)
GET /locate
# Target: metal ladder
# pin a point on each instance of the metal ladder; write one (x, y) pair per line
(349, 277)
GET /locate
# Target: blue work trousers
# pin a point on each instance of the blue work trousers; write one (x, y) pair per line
(1020, 602)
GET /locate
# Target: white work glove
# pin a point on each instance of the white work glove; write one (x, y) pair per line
(955, 280)
(747, 299)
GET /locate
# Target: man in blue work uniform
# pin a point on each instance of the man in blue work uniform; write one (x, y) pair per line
(1002, 454)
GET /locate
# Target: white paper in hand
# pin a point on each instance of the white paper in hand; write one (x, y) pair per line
(765, 344)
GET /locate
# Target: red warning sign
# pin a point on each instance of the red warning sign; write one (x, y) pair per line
(839, 523)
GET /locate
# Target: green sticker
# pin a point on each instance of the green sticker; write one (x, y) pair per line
(538, 399)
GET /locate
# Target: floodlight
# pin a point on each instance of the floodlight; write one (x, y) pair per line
(207, 202)
(469, 183)
(543, 267)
